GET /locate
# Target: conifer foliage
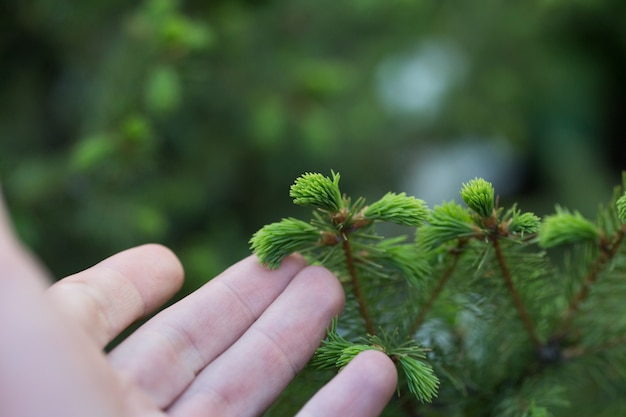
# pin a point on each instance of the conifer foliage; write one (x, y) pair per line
(486, 311)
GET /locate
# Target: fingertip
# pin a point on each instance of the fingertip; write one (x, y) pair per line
(153, 269)
(168, 263)
(375, 379)
(363, 388)
(168, 273)
(106, 298)
(380, 371)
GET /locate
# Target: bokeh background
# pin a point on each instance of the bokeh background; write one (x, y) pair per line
(186, 122)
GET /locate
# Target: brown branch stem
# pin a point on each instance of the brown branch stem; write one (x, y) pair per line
(578, 351)
(517, 300)
(607, 252)
(370, 328)
(443, 280)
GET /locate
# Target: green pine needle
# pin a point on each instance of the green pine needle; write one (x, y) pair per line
(447, 222)
(312, 189)
(421, 380)
(524, 223)
(336, 352)
(350, 352)
(398, 208)
(565, 227)
(328, 354)
(275, 241)
(394, 254)
(420, 376)
(479, 196)
(621, 208)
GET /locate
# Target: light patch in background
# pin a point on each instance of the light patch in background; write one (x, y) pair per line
(438, 172)
(416, 82)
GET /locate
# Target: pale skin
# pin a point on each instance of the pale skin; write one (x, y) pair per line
(228, 349)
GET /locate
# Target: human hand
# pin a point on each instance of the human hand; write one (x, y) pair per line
(228, 349)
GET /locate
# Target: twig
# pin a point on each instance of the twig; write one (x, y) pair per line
(607, 252)
(578, 351)
(517, 300)
(443, 280)
(356, 287)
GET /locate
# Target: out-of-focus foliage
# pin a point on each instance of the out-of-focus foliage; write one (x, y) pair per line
(183, 122)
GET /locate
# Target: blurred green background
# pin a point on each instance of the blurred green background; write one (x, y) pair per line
(186, 122)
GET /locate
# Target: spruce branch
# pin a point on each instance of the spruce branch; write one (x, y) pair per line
(342, 236)
(608, 250)
(479, 195)
(338, 222)
(356, 287)
(441, 283)
(515, 295)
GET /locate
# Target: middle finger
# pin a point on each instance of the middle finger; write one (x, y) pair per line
(247, 378)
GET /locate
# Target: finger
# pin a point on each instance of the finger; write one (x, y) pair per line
(362, 389)
(108, 297)
(165, 354)
(248, 377)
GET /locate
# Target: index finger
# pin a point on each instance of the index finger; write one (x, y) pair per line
(362, 389)
(108, 297)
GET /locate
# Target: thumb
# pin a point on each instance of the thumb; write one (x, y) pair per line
(15, 259)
